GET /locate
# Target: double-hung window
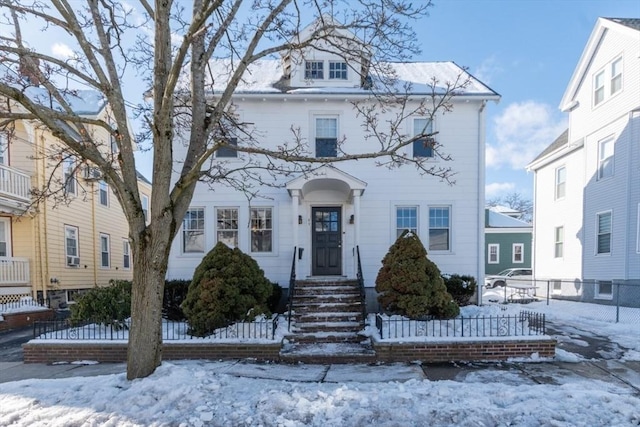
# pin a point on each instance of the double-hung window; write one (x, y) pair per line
(493, 253)
(4, 147)
(439, 229)
(406, 219)
(423, 147)
(104, 193)
(229, 150)
(561, 182)
(69, 175)
(559, 242)
(105, 251)
(326, 133)
(605, 157)
(598, 88)
(227, 226)
(518, 253)
(145, 206)
(193, 231)
(337, 70)
(261, 230)
(616, 76)
(71, 246)
(603, 245)
(126, 254)
(314, 70)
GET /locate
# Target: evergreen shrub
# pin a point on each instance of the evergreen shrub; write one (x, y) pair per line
(461, 287)
(228, 286)
(410, 284)
(109, 305)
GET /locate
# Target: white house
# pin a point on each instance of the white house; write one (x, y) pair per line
(587, 182)
(329, 213)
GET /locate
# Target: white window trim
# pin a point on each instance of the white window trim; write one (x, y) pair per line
(557, 174)
(325, 115)
(274, 231)
(497, 246)
(596, 88)
(395, 218)
(4, 148)
(337, 61)
(126, 250)
(609, 139)
(598, 295)
(606, 72)
(69, 165)
(100, 183)
(77, 239)
(556, 241)
(6, 223)
(611, 77)
(513, 253)
(450, 228)
(204, 235)
(108, 251)
(325, 72)
(598, 214)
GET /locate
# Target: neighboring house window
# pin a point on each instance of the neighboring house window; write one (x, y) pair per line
(228, 151)
(105, 251)
(604, 233)
(4, 237)
(556, 287)
(598, 88)
(261, 230)
(605, 158)
(616, 76)
(4, 146)
(518, 253)
(439, 229)
(314, 70)
(337, 70)
(326, 137)
(69, 168)
(126, 254)
(422, 147)
(406, 219)
(561, 182)
(193, 231)
(494, 253)
(227, 226)
(104, 193)
(71, 246)
(559, 242)
(604, 289)
(145, 206)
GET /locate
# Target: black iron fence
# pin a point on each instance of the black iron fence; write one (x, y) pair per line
(524, 324)
(171, 331)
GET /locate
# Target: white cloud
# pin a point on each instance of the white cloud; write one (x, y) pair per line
(487, 70)
(522, 131)
(61, 50)
(496, 189)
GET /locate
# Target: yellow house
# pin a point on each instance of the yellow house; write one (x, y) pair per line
(57, 249)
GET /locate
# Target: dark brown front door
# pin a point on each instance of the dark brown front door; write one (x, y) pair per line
(327, 241)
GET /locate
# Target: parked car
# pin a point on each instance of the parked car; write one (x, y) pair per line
(511, 276)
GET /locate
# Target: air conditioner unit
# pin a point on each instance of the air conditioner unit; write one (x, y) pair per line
(91, 173)
(73, 261)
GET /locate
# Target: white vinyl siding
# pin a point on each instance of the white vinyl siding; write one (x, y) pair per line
(518, 253)
(493, 253)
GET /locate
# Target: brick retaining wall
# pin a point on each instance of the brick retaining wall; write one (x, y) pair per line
(49, 352)
(24, 318)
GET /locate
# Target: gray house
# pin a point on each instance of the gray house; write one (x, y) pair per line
(507, 240)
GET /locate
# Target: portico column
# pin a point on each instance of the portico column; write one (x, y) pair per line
(295, 201)
(356, 213)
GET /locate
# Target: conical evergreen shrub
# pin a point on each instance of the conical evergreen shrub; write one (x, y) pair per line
(228, 286)
(410, 284)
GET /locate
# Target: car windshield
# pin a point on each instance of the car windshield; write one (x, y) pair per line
(507, 272)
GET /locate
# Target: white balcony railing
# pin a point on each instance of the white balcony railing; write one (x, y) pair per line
(14, 271)
(14, 184)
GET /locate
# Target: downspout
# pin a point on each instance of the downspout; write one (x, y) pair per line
(41, 220)
(481, 201)
(630, 208)
(95, 236)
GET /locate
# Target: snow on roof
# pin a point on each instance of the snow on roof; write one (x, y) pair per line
(500, 220)
(82, 102)
(266, 76)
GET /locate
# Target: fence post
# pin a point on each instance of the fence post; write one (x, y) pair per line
(548, 290)
(617, 302)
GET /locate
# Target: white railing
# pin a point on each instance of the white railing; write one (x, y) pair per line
(14, 271)
(14, 184)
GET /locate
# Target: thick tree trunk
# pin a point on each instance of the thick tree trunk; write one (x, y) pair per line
(145, 337)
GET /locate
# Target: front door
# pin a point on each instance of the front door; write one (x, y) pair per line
(327, 241)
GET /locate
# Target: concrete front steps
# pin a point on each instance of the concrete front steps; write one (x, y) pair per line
(326, 324)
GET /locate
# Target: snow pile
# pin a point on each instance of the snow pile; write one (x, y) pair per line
(26, 304)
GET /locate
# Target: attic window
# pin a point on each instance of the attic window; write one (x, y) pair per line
(616, 75)
(314, 70)
(337, 70)
(598, 94)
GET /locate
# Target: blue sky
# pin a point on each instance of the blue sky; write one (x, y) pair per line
(526, 50)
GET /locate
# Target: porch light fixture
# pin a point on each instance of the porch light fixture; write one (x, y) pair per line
(351, 219)
(299, 219)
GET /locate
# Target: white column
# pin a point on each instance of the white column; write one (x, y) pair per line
(356, 213)
(295, 201)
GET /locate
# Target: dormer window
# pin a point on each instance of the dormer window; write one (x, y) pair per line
(337, 70)
(314, 70)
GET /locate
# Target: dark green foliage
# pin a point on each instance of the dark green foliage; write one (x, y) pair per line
(175, 291)
(274, 302)
(110, 305)
(228, 286)
(461, 288)
(410, 284)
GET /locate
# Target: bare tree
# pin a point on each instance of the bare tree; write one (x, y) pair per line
(169, 47)
(516, 202)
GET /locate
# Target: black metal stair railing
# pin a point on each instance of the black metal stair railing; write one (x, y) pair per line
(292, 286)
(360, 278)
